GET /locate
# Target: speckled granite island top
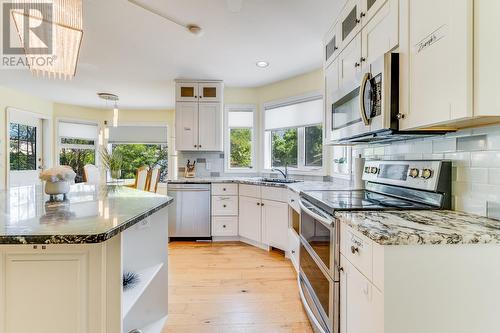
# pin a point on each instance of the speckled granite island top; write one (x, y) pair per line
(423, 227)
(92, 214)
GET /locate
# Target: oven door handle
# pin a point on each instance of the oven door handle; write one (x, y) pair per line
(362, 88)
(327, 222)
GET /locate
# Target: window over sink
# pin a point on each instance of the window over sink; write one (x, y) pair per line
(293, 134)
(240, 138)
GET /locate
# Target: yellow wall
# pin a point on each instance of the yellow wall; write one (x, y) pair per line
(13, 99)
(295, 86)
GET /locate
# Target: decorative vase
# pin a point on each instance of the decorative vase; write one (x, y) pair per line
(116, 174)
(56, 188)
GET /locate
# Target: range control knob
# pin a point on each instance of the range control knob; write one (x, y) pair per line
(414, 172)
(427, 173)
(374, 170)
(367, 169)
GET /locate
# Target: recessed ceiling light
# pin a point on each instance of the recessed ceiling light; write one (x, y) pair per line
(262, 64)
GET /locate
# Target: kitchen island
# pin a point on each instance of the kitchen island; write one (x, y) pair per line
(62, 263)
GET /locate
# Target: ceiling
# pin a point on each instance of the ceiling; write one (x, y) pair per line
(137, 55)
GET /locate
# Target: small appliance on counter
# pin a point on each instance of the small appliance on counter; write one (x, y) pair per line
(190, 171)
(390, 185)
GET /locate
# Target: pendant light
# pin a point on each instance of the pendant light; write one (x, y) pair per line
(113, 98)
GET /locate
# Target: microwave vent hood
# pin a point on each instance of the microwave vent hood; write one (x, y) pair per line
(387, 136)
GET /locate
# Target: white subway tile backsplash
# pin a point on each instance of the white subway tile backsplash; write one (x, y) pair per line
(444, 145)
(475, 154)
(494, 176)
(471, 143)
(458, 159)
(485, 159)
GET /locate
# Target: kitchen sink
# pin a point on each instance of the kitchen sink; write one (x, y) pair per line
(279, 180)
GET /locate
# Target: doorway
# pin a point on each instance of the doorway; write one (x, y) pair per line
(28, 146)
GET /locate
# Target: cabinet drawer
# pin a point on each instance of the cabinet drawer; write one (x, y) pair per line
(293, 200)
(274, 193)
(358, 249)
(225, 226)
(250, 190)
(224, 189)
(224, 205)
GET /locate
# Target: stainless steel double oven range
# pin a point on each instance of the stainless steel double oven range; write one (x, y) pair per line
(390, 185)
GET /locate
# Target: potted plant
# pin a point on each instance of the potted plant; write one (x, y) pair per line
(113, 162)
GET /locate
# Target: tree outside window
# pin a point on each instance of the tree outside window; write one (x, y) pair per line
(136, 155)
(241, 147)
(77, 153)
(284, 146)
(313, 146)
(22, 147)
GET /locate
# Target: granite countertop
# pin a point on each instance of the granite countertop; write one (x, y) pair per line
(420, 227)
(298, 186)
(91, 214)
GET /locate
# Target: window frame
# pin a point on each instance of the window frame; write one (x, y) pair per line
(227, 138)
(109, 148)
(266, 146)
(60, 145)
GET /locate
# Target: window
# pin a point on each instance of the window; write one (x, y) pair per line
(294, 134)
(136, 155)
(140, 145)
(240, 138)
(22, 147)
(77, 146)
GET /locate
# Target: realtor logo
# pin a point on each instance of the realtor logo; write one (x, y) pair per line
(27, 33)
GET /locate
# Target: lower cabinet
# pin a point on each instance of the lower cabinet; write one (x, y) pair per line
(362, 303)
(249, 224)
(224, 226)
(275, 224)
(262, 220)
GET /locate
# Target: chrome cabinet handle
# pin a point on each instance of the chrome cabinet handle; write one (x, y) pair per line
(354, 249)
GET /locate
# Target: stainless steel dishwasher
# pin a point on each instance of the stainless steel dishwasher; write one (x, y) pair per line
(189, 216)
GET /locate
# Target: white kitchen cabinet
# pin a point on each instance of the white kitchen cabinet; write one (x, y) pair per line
(198, 119)
(186, 92)
(369, 8)
(362, 302)
(381, 33)
(331, 44)
(249, 222)
(332, 83)
(350, 21)
(225, 210)
(275, 224)
(350, 64)
(209, 92)
(436, 62)
(31, 279)
(186, 126)
(223, 226)
(210, 127)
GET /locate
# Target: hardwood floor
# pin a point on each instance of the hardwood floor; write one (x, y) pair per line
(231, 288)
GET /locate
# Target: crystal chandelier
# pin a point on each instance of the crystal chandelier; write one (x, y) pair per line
(51, 33)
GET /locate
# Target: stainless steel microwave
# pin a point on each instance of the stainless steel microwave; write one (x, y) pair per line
(368, 107)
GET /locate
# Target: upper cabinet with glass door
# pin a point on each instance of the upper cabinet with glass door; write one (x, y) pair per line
(188, 91)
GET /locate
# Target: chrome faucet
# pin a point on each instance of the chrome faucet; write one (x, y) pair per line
(284, 173)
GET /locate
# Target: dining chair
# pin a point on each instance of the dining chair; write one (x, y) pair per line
(154, 178)
(91, 174)
(141, 178)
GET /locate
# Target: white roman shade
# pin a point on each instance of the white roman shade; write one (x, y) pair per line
(138, 134)
(240, 119)
(303, 113)
(77, 130)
